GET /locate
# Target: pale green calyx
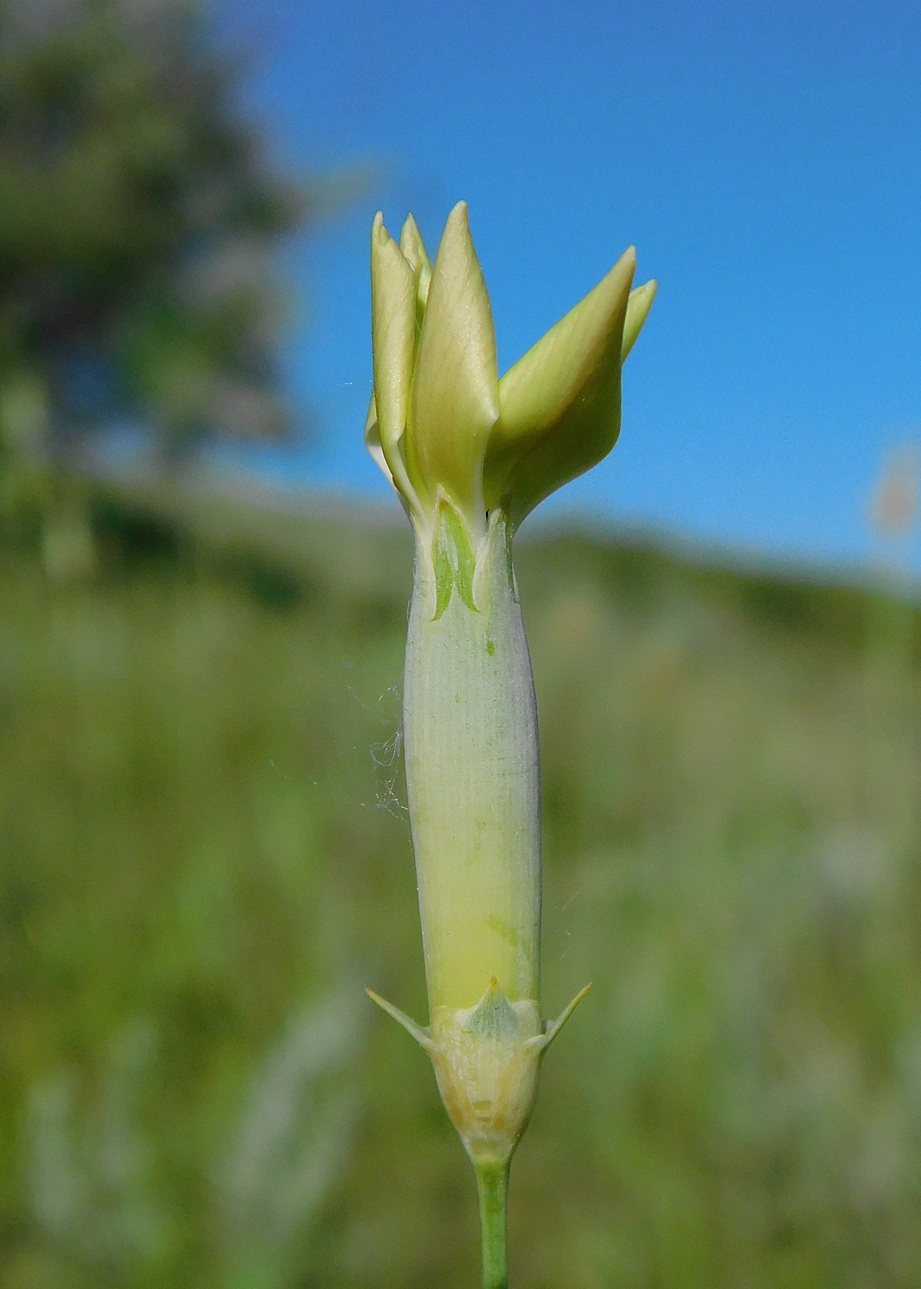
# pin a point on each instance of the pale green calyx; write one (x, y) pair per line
(440, 420)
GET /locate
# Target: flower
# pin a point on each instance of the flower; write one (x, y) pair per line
(471, 455)
(441, 423)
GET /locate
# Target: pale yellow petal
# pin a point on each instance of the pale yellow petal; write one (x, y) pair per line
(455, 398)
(413, 248)
(373, 439)
(638, 306)
(393, 308)
(560, 403)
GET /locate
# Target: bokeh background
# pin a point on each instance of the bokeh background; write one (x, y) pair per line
(204, 851)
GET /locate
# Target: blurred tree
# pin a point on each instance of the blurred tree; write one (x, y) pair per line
(138, 214)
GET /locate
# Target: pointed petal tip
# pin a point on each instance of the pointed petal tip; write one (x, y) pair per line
(409, 229)
(458, 217)
(626, 260)
(620, 275)
(380, 236)
(456, 242)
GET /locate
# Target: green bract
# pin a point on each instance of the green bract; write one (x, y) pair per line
(441, 422)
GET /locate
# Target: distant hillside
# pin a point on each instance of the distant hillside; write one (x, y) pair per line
(204, 857)
(315, 539)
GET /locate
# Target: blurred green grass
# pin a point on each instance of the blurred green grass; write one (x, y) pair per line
(205, 856)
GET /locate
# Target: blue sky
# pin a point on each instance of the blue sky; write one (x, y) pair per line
(763, 157)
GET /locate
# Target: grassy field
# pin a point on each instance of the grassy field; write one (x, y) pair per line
(205, 856)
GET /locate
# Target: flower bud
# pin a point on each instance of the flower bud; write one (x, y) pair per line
(470, 456)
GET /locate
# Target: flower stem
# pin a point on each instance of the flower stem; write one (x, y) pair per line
(492, 1187)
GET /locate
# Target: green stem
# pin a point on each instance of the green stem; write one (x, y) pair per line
(492, 1187)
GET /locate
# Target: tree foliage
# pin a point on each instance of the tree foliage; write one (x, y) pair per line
(138, 215)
